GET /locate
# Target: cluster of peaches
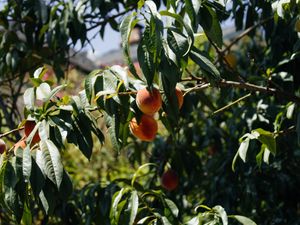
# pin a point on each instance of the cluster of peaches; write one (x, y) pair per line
(28, 128)
(149, 102)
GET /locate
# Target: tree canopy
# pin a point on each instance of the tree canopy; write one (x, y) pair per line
(227, 153)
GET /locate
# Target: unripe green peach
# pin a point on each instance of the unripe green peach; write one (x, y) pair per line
(149, 102)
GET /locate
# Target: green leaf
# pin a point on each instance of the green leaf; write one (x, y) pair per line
(82, 130)
(52, 162)
(171, 205)
(290, 111)
(298, 128)
(54, 91)
(222, 213)
(180, 20)
(193, 221)
(178, 42)
(211, 25)
(146, 57)
(112, 123)
(133, 206)
(29, 98)
(27, 163)
(165, 221)
(259, 156)
(43, 91)
(37, 178)
(243, 220)
(243, 149)
(192, 8)
(89, 83)
(27, 216)
(267, 138)
(266, 154)
(13, 188)
(138, 171)
(114, 207)
(125, 28)
(205, 64)
(66, 187)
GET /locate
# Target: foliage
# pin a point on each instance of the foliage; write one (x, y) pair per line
(224, 109)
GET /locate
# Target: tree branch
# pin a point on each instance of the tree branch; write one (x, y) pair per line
(252, 87)
(247, 31)
(11, 132)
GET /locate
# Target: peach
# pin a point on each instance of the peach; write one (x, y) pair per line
(20, 144)
(179, 95)
(149, 102)
(212, 149)
(231, 60)
(170, 180)
(2, 146)
(29, 126)
(145, 130)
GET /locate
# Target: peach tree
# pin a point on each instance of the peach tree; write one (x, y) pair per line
(206, 99)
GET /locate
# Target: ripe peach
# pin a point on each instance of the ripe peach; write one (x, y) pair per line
(21, 143)
(29, 126)
(170, 180)
(2, 146)
(231, 60)
(179, 95)
(145, 130)
(212, 149)
(149, 102)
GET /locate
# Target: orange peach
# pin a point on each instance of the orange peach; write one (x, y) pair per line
(20, 144)
(145, 130)
(149, 102)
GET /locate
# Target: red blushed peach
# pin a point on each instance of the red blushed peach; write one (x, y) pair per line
(149, 102)
(29, 126)
(145, 130)
(170, 180)
(2, 146)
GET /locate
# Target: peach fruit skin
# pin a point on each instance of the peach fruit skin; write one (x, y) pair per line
(21, 144)
(149, 102)
(146, 130)
(170, 180)
(231, 59)
(29, 126)
(2, 146)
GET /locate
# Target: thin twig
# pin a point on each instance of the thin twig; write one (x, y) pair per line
(11, 131)
(286, 131)
(247, 31)
(231, 104)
